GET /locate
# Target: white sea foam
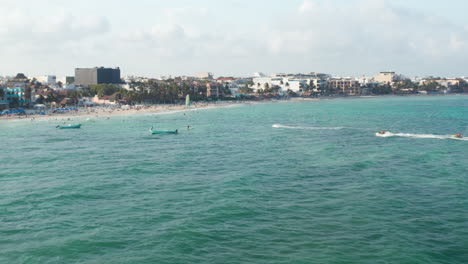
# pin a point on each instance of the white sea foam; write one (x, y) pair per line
(306, 127)
(426, 136)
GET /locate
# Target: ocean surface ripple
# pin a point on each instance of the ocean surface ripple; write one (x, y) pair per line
(299, 182)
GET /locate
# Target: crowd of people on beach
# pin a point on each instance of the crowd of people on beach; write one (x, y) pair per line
(101, 110)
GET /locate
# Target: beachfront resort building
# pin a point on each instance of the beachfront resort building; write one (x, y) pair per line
(344, 86)
(17, 91)
(388, 78)
(293, 82)
(448, 82)
(204, 75)
(214, 90)
(233, 84)
(18, 95)
(97, 75)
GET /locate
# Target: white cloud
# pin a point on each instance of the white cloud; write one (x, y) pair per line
(368, 34)
(350, 37)
(308, 6)
(23, 27)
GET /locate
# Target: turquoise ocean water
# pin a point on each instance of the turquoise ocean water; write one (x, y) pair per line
(292, 182)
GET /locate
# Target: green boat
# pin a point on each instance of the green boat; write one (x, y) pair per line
(69, 126)
(163, 132)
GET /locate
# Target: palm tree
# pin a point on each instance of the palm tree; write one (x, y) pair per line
(40, 100)
(51, 98)
(246, 90)
(14, 103)
(28, 94)
(75, 96)
(301, 86)
(275, 89)
(267, 87)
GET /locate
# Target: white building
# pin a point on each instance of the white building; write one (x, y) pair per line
(448, 82)
(72, 87)
(204, 75)
(388, 77)
(47, 79)
(293, 82)
(259, 75)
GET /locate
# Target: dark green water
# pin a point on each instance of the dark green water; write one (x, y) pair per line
(306, 182)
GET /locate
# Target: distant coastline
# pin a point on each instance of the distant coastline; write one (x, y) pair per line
(125, 110)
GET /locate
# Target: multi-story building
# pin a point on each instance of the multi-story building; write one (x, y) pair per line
(344, 86)
(69, 80)
(294, 82)
(18, 95)
(93, 76)
(204, 75)
(47, 79)
(214, 89)
(388, 77)
(261, 82)
(448, 82)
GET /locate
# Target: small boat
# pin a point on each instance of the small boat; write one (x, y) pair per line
(163, 131)
(458, 136)
(69, 126)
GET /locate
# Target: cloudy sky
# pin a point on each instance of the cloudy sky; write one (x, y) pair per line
(235, 37)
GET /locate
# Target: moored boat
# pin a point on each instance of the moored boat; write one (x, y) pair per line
(163, 131)
(69, 126)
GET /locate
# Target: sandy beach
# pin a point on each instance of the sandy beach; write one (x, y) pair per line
(110, 111)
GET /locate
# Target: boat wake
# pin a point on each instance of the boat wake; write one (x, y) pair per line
(307, 128)
(408, 135)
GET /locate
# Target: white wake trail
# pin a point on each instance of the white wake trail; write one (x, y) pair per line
(420, 136)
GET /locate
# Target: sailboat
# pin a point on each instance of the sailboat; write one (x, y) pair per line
(187, 101)
(187, 106)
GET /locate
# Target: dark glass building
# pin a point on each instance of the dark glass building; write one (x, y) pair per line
(101, 75)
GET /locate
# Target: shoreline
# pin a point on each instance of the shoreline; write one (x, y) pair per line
(107, 112)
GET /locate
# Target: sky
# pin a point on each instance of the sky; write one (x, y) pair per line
(235, 37)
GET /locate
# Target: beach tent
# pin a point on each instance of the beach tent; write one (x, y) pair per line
(13, 112)
(66, 109)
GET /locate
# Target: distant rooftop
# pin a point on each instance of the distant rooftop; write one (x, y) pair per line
(101, 67)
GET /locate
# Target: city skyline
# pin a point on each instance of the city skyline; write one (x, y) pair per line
(343, 38)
